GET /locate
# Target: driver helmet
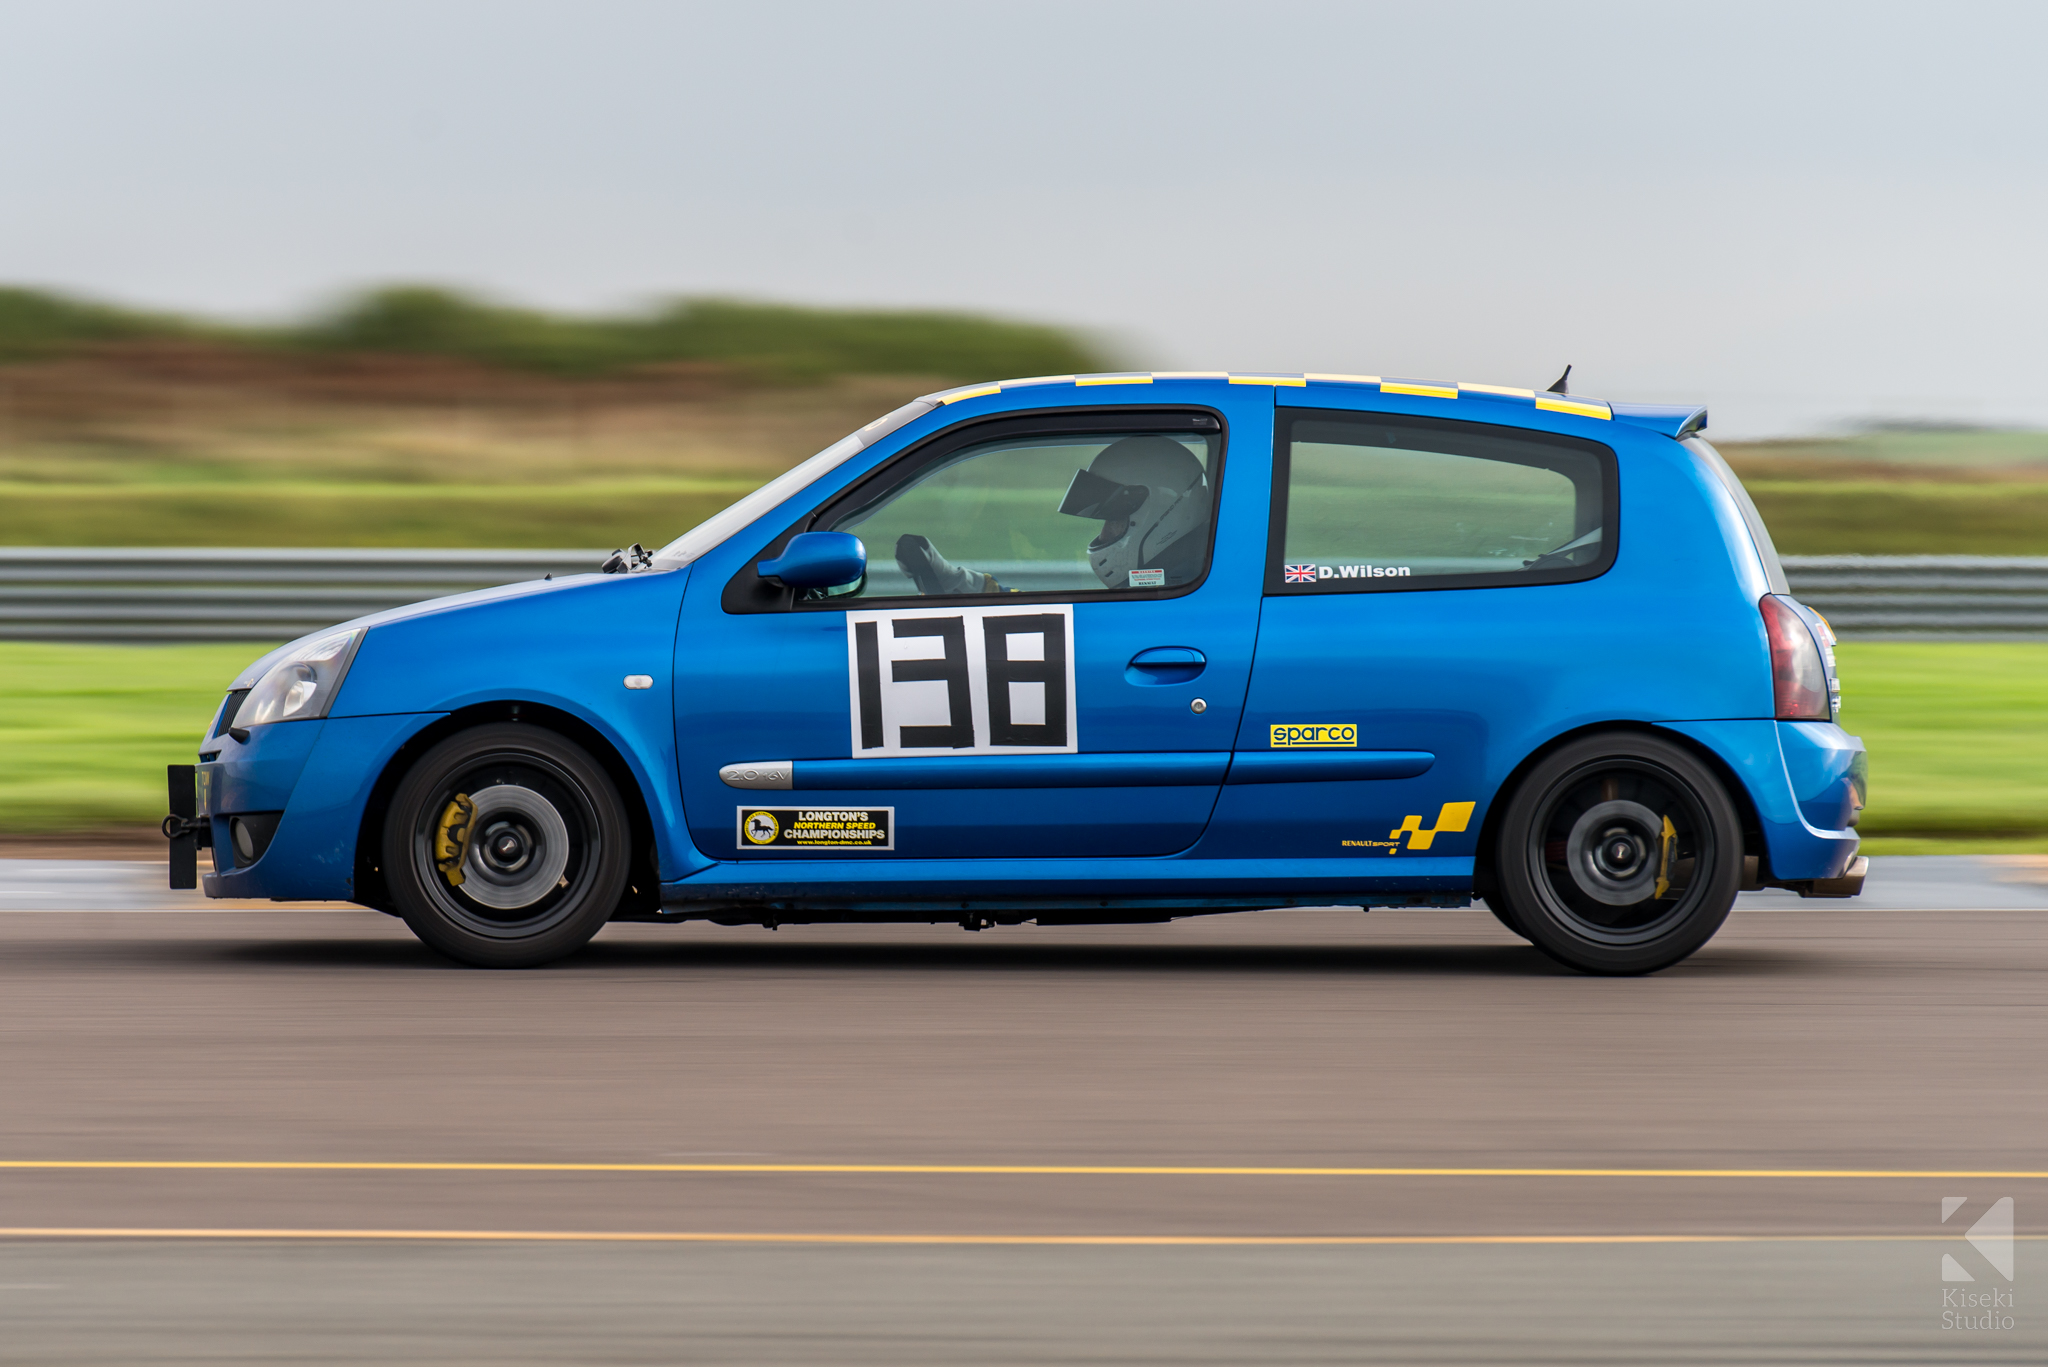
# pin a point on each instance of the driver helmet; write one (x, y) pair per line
(1153, 498)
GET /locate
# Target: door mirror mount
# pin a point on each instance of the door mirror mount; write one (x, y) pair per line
(817, 560)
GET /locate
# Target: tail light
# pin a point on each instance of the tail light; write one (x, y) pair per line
(1799, 674)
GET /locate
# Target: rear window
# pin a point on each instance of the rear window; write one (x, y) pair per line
(1368, 502)
(1767, 551)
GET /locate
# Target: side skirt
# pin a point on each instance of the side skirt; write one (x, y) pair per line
(974, 914)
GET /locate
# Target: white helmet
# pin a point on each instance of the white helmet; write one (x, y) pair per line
(1153, 498)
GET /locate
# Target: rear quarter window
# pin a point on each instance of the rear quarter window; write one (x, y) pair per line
(1766, 549)
(1367, 502)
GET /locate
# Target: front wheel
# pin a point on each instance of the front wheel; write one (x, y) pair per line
(506, 847)
(1619, 854)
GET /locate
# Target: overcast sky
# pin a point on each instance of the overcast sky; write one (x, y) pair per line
(1802, 214)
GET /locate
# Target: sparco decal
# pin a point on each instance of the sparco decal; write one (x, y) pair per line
(962, 681)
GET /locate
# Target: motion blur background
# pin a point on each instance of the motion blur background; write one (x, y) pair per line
(523, 275)
(306, 282)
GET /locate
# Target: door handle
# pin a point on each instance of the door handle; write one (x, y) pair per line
(1165, 665)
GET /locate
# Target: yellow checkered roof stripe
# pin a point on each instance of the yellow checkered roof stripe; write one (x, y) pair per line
(1421, 389)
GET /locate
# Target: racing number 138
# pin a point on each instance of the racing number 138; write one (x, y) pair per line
(962, 681)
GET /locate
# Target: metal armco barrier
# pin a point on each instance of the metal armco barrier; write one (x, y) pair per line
(130, 594)
(140, 594)
(1925, 597)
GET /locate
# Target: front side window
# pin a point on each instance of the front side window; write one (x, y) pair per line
(1368, 502)
(1063, 513)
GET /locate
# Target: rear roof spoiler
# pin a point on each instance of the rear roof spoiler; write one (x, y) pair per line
(1675, 420)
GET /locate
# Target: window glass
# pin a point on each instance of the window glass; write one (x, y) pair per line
(1373, 503)
(1089, 513)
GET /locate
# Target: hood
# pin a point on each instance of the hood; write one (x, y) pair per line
(454, 602)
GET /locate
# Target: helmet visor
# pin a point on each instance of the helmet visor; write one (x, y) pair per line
(1090, 495)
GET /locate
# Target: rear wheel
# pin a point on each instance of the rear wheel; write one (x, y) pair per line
(1619, 853)
(506, 847)
(1497, 903)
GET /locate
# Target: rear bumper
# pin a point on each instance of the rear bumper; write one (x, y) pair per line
(1850, 884)
(1806, 781)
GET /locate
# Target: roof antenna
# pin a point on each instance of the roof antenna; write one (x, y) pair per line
(1558, 385)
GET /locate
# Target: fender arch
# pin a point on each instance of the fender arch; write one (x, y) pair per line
(1738, 792)
(643, 884)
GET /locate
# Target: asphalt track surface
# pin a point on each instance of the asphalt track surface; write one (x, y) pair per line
(263, 1134)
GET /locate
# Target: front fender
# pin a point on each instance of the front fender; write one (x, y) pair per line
(571, 649)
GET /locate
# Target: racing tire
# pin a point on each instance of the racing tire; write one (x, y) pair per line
(1498, 905)
(1618, 854)
(542, 851)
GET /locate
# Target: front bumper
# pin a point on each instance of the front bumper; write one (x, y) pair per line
(317, 776)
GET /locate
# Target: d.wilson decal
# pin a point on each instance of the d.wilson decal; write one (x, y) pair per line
(962, 681)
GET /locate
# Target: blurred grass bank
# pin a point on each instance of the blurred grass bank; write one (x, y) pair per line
(421, 417)
(1902, 491)
(1958, 734)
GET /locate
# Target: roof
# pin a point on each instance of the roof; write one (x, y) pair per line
(1673, 420)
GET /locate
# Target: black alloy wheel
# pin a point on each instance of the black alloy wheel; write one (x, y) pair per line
(506, 847)
(1619, 853)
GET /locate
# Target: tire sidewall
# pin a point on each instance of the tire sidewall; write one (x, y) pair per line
(1530, 907)
(598, 889)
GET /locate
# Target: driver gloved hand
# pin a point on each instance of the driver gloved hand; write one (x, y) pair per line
(932, 572)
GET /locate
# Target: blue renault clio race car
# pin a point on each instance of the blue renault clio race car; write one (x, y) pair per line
(1091, 649)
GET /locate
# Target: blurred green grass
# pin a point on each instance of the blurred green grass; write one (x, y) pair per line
(85, 731)
(575, 509)
(1958, 735)
(392, 488)
(1958, 741)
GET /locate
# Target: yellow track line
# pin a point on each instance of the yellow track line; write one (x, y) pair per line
(1066, 1240)
(998, 1169)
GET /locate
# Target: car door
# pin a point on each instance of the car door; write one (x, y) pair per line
(1431, 595)
(992, 688)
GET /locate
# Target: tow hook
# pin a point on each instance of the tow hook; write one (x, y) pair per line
(187, 831)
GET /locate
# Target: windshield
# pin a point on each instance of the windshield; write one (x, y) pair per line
(715, 529)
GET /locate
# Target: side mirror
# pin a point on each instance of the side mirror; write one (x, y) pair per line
(818, 560)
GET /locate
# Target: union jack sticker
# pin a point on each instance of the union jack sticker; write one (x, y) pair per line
(1298, 574)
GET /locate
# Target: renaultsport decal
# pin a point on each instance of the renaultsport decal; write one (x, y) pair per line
(962, 681)
(1451, 819)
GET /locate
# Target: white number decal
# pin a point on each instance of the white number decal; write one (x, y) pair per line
(962, 681)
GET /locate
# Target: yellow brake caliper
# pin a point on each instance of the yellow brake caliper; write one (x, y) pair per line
(1665, 846)
(451, 838)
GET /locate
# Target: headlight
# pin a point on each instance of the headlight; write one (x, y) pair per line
(302, 685)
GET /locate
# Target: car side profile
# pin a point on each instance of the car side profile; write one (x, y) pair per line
(1088, 649)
